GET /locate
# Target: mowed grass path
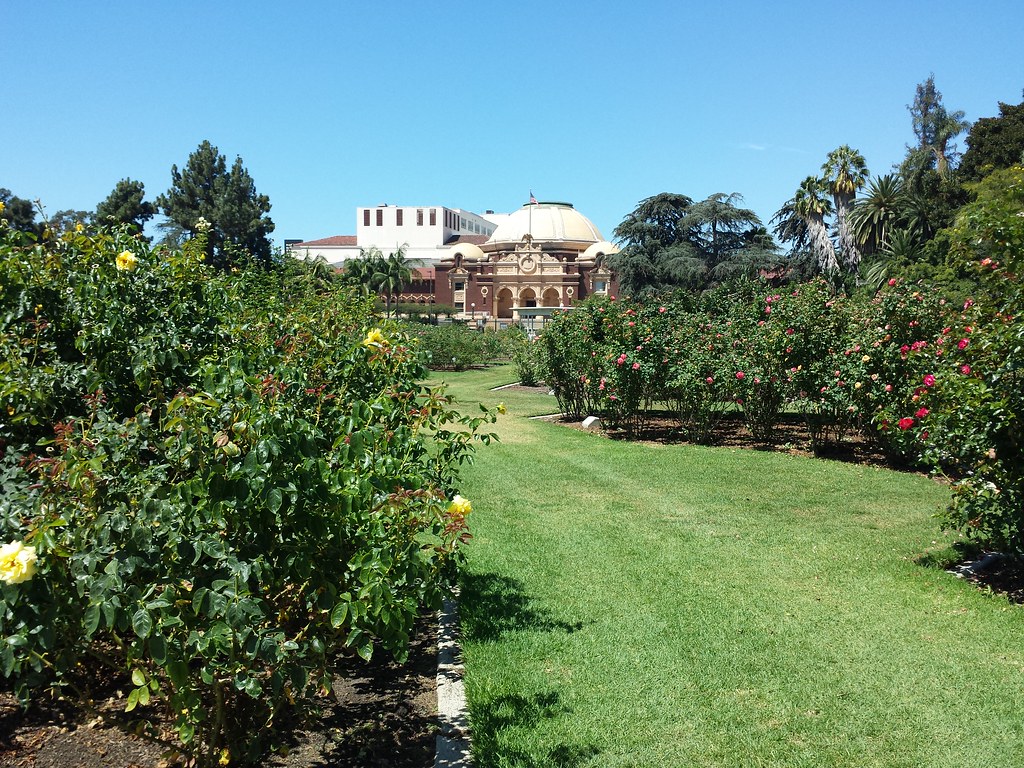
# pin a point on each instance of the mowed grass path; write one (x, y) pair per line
(646, 605)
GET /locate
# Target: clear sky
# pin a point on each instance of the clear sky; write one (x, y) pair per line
(333, 105)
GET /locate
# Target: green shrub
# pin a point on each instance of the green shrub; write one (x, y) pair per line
(451, 346)
(225, 480)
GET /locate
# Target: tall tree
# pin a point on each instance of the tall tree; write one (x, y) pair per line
(19, 213)
(126, 204)
(226, 200)
(657, 243)
(811, 204)
(995, 143)
(729, 240)
(934, 126)
(845, 172)
(68, 220)
(391, 274)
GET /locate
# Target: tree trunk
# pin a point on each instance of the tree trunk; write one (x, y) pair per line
(847, 245)
(821, 244)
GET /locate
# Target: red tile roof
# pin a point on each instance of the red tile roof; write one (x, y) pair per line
(336, 240)
(474, 239)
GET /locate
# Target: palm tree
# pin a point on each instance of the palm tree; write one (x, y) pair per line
(359, 272)
(876, 214)
(845, 172)
(391, 275)
(812, 205)
(948, 126)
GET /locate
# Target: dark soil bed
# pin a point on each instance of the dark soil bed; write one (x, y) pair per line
(790, 436)
(382, 714)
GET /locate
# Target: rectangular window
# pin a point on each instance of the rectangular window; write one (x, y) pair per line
(433, 217)
(366, 217)
(460, 286)
(398, 217)
(380, 218)
(419, 217)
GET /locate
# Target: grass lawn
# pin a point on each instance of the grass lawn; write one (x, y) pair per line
(649, 605)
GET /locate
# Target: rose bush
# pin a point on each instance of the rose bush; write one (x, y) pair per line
(212, 483)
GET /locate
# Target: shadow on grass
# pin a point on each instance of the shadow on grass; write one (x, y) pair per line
(491, 605)
(493, 718)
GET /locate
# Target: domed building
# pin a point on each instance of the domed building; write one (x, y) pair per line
(539, 258)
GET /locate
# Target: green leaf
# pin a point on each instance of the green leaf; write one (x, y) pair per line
(133, 700)
(178, 672)
(6, 660)
(142, 623)
(158, 649)
(339, 614)
(91, 619)
(365, 650)
(138, 677)
(274, 499)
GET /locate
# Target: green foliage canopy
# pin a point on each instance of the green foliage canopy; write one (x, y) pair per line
(226, 199)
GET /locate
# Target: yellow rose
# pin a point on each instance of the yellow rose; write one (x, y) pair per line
(2, 206)
(374, 339)
(126, 261)
(79, 227)
(17, 562)
(502, 409)
(866, 359)
(460, 506)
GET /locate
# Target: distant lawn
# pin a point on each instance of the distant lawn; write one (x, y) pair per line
(644, 605)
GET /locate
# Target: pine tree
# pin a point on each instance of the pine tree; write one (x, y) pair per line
(126, 204)
(226, 200)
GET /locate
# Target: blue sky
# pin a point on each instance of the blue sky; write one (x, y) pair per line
(332, 105)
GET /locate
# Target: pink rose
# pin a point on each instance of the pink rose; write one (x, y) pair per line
(740, 375)
(965, 369)
(929, 380)
(906, 423)
(962, 344)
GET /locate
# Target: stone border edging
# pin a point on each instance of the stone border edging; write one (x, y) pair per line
(453, 750)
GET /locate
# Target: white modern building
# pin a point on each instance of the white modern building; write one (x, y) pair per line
(426, 232)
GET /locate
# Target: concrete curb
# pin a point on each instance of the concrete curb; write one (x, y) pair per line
(453, 750)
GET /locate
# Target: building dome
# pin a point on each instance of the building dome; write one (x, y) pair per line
(546, 222)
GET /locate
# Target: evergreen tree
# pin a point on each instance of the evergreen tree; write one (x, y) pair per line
(670, 241)
(935, 128)
(68, 220)
(226, 200)
(19, 213)
(994, 143)
(126, 204)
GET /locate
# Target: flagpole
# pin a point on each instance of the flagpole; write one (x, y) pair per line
(530, 226)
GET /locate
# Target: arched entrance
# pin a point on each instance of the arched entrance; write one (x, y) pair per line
(504, 304)
(528, 298)
(551, 298)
